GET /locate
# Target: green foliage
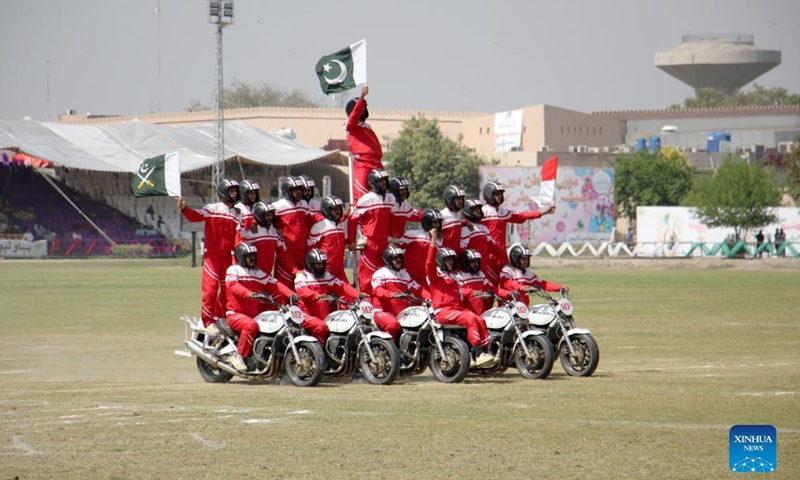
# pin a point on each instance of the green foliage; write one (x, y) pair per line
(430, 162)
(738, 195)
(792, 162)
(651, 178)
(245, 95)
(759, 96)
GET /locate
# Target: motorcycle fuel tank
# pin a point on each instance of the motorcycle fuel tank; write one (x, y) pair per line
(269, 322)
(412, 317)
(341, 321)
(496, 318)
(541, 315)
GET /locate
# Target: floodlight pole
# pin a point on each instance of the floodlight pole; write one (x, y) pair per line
(220, 14)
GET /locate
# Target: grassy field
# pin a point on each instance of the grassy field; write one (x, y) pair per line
(91, 387)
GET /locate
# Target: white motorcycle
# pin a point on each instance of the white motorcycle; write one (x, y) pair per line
(279, 345)
(576, 347)
(355, 342)
(425, 342)
(511, 342)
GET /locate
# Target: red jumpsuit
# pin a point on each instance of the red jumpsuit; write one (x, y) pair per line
(241, 282)
(329, 237)
(496, 219)
(293, 221)
(272, 250)
(512, 278)
(373, 212)
(246, 214)
(365, 147)
(401, 214)
(309, 288)
(477, 282)
(221, 222)
(385, 282)
(416, 243)
(451, 230)
(448, 302)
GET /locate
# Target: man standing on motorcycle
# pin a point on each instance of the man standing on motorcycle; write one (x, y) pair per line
(448, 299)
(292, 219)
(373, 212)
(250, 195)
(314, 283)
(451, 219)
(402, 212)
(221, 220)
(389, 284)
(329, 236)
(496, 218)
(518, 277)
(245, 281)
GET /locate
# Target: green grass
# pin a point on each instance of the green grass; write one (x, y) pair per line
(91, 387)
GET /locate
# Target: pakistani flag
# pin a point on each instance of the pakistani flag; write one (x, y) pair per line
(158, 176)
(340, 71)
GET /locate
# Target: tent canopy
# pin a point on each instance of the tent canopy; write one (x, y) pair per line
(122, 147)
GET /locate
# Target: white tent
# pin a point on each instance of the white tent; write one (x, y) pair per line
(122, 147)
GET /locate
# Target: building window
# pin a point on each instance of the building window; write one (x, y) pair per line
(601, 130)
(562, 129)
(481, 131)
(594, 130)
(580, 130)
(524, 128)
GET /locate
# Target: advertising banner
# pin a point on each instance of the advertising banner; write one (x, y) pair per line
(584, 199)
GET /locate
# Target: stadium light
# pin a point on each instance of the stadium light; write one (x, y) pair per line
(220, 13)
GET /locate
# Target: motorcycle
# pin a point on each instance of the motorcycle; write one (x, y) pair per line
(355, 342)
(511, 342)
(279, 345)
(425, 342)
(576, 347)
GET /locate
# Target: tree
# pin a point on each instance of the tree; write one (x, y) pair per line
(759, 96)
(792, 162)
(663, 177)
(245, 95)
(738, 195)
(430, 162)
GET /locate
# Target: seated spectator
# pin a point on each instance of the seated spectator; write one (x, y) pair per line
(27, 236)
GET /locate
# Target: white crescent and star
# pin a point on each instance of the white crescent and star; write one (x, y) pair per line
(342, 72)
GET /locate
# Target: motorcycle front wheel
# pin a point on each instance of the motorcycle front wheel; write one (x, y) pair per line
(307, 370)
(212, 374)
(586, 357)
(387, 362)
(540, 363)
(453, 367)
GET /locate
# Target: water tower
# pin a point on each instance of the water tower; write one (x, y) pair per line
(723, 62)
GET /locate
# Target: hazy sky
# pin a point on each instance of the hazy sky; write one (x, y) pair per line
(130, 56)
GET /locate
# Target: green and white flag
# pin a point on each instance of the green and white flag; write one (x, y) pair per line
(340, 71)
(158, 176)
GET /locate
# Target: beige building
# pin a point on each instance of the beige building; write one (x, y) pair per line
(543, 127)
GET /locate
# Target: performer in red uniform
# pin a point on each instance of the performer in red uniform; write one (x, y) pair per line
(473, 282)
(309, 190)
(402, 211)
(221, 220)
(496, 219)
(451, 223)
(292, 219)
(473, 234)
(315, 282)
(388, 283)
(364, 144)
(262, 234)
(518, 277)
(329, 236)
(373, 212)
(448, 300)
(415, 243)
(250, 195)
(244, 281)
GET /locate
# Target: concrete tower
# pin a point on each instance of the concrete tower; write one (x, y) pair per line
(724, 62)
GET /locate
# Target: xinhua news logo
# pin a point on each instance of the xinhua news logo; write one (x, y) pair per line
(753, 448)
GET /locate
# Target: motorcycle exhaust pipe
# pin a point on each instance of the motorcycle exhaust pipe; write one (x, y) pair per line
(212, 361)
